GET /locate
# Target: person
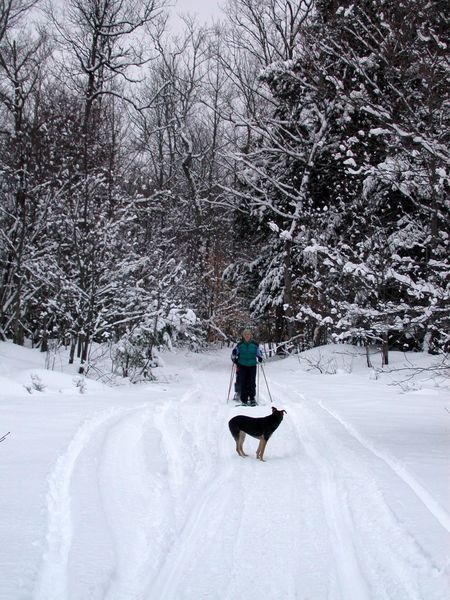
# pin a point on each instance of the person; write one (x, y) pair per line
(245, 355)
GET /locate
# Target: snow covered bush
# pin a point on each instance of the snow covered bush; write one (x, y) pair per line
(135, 354)
(80, 383)
(36, 384)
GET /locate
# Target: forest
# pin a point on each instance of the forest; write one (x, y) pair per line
(286, 167)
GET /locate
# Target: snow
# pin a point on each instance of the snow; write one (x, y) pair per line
(136, 492)
(359, 269)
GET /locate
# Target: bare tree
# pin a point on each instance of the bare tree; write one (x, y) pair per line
(21, 71)
(182, 132)
(267, 30)
(11, 13)
(101, 42)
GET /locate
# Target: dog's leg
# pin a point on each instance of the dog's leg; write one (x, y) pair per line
(261, 448)
(240, 443)
(258, 449)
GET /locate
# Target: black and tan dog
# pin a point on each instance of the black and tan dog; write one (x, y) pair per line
(258, 427)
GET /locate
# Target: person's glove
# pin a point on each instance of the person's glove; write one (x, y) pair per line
(260, 359)
(235, 360)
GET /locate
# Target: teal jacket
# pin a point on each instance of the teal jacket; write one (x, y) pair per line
(247, 353)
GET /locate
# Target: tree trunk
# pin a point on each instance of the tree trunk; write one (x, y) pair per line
(385, 349)
(73, 345)
(369, 362)
(18, 333)
(288, 289)
(84, 352)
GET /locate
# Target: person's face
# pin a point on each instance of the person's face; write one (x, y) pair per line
(247, 336)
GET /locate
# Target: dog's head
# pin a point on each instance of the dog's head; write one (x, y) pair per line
(279, 412)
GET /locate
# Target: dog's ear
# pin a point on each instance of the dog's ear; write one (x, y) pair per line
(274, 410)
(283, 411)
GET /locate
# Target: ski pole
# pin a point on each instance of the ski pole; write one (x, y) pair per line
(233, 366)
(267, 385)
(257, 397)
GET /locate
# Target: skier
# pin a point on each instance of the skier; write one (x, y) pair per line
(245, 355)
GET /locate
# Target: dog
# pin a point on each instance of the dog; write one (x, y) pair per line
(259, 427)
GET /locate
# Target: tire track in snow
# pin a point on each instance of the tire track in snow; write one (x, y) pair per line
(239, 519)
(109, 456)
(199, 488)
(364, 521)
(348, 572)
(52, 581)
(359, 523)
(439, 513)
(207, 510)
(135, 501)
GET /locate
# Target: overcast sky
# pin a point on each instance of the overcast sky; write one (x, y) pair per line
(205, 9)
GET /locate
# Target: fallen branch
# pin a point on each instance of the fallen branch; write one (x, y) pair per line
(2, 439)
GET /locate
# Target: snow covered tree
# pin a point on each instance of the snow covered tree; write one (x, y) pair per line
(97, 44)
(151, 313)
(23, 202)
(262, 33)
(349, 166)
(290, 167)
(181, 134)
(390, 62)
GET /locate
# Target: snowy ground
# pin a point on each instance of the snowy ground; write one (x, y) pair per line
(136, 492)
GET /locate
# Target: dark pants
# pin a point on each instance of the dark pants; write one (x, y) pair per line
(248, 383)
(237, 384)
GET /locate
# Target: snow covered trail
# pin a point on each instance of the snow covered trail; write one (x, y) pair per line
(373, 553)
(151, 502)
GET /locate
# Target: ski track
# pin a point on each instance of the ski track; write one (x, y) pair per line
(440, 514)
(178, 515)
(358, 516)
(52, 583)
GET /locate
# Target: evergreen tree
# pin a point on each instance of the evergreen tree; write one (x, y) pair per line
(349, 174)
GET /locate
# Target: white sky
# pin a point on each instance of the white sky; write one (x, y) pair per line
(204, 9)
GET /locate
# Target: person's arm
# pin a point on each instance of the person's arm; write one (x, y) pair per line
(259, 354)
(235, 354)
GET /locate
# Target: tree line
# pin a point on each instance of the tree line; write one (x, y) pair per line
(288, 166)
